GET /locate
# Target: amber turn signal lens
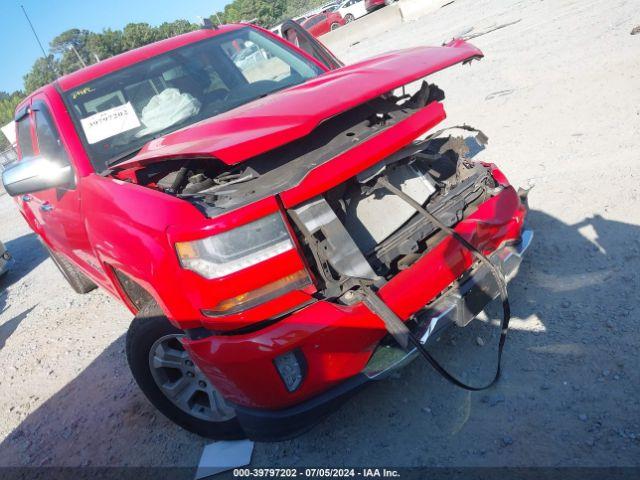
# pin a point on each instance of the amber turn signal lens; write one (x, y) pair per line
(272, 290)
(186, 250)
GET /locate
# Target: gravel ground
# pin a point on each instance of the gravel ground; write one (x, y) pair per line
(558, 96)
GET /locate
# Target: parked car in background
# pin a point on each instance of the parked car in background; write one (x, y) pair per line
(327, 7)
(4, 259)
(249, 56)
(372, 5)
(351, 10)
(323, 23)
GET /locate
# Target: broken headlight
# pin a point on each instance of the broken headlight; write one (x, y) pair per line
(236, 249)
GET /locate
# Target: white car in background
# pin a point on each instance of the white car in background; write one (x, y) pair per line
(4, 259)
(324, 8)
(249, 56)
(351, 10)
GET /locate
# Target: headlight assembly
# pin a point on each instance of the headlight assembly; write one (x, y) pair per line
(236, 249)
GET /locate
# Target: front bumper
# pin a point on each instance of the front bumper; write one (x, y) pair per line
(458, 306)
(338, 341)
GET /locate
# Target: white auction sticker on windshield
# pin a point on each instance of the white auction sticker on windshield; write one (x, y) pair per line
(109, 123)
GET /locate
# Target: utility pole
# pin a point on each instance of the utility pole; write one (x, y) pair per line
(44, 54)
(77, 55)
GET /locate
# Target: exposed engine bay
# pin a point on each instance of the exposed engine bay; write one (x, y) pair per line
(359, 230)
(385, 228)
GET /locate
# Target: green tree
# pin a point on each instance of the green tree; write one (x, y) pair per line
(171, 29)
(8, 103)
(43, 71)
(298, 7)
(266, 12)
(71, 49)
(104, 45)
(136, 35)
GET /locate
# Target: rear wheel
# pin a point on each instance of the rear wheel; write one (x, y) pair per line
(334, 26)
(349, 18)
(172, 382)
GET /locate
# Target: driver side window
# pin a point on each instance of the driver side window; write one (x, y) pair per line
(23, 134)
(49, 141)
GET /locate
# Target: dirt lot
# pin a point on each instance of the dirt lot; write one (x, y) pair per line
(558, 96)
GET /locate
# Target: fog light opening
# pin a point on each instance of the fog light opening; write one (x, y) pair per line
(292, 369)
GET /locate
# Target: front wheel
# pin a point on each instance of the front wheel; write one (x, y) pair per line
(335, 26)
(349, 18)
(172, 382)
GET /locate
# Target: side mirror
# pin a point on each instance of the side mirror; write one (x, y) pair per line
(35, 174)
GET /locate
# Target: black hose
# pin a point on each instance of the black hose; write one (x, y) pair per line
(502, 285)
(180, 177)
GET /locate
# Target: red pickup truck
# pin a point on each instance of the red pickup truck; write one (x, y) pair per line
(224, 185)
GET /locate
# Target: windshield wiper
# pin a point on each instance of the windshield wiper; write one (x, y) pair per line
(125, 156)
(275, 90)
(134, 151)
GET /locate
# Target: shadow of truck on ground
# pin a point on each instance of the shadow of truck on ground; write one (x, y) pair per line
(27, 253)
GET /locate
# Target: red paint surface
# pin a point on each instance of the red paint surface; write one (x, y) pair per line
(373, 4)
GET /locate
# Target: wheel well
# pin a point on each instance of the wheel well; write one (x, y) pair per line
(135, 292)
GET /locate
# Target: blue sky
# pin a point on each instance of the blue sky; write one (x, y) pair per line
(18, 47)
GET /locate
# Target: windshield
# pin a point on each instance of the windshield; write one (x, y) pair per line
(120, 112)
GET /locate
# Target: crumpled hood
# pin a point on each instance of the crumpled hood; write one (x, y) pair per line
(284, 116)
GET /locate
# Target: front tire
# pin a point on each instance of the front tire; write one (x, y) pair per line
(172, 383)
(335, 26)
(349, 18)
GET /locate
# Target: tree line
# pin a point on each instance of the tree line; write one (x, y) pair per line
(75, 48)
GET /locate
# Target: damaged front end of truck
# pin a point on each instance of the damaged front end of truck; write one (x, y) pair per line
(338, 161)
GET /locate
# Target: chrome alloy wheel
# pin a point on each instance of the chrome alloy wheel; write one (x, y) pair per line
(182, 382)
